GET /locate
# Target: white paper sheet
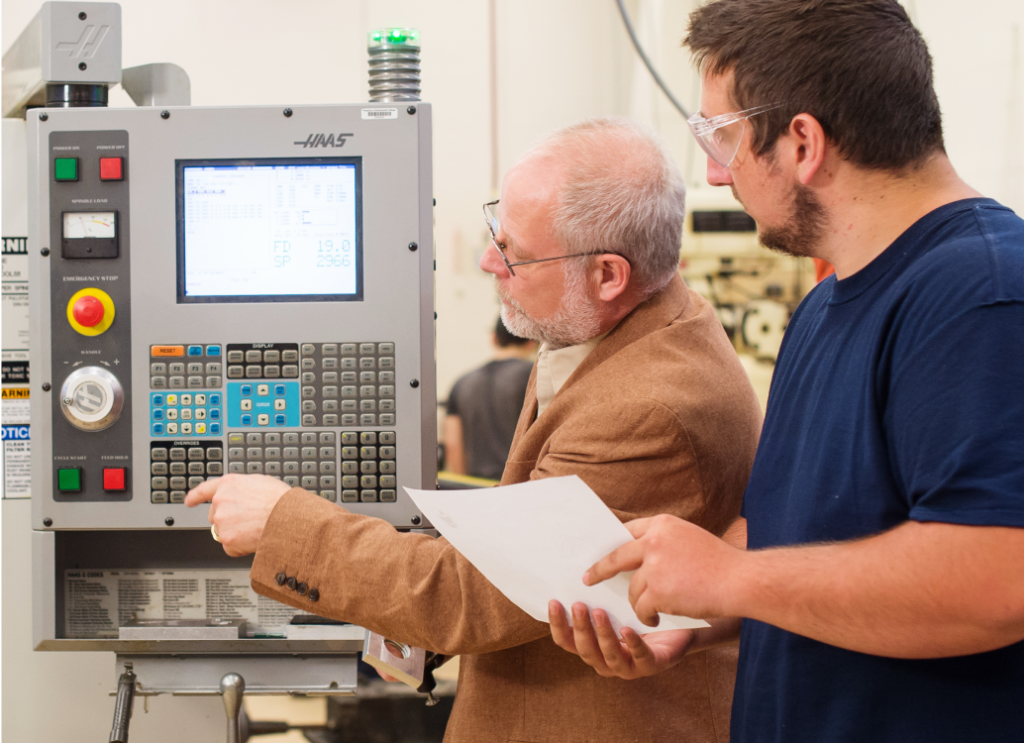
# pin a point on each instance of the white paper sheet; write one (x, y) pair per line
(535, 540)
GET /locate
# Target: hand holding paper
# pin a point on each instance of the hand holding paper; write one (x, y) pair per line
(535, 540)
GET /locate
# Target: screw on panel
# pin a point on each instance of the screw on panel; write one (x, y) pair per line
(287, 112)
(46, 386)
(44, 116)
(82, 65)
(82, 16)
(411, 110)
(165, 114)
(44, 252)
(169, 521)
(414, 383)
(413, 247)
(47, 522)
(416, 520)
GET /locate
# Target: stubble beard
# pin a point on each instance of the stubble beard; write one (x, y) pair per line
(803, 231)
(575, 321)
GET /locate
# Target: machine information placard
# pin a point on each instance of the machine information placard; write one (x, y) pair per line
(16, 452)
(100, 601)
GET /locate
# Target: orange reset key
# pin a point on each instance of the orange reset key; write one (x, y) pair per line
(166, 350)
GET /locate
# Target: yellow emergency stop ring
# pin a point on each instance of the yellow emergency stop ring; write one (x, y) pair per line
(108, 311)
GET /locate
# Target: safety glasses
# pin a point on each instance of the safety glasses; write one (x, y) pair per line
(720, 136)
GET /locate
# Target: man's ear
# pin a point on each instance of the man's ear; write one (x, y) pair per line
(614, 272)
(806, 143)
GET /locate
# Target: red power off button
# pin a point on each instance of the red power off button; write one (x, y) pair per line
(111, 169)
(114, 479)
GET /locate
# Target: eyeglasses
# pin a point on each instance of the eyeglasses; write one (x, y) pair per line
(718, 137)
(492, 224)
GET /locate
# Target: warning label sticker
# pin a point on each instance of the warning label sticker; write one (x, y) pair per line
(100, 601)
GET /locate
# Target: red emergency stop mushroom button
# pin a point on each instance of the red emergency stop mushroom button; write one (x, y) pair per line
(88, 311)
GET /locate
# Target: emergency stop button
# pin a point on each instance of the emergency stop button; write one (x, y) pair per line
(111, 169)
(114, 480)
(91, 311)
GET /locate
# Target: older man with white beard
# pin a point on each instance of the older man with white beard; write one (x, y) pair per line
(636, 390)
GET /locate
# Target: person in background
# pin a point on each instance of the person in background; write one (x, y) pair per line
(483, 408)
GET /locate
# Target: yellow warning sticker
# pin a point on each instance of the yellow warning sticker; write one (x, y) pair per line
(16, 393)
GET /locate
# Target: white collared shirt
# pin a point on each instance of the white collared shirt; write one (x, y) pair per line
(555, 366)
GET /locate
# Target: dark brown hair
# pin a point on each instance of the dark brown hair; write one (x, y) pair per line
(857, 66)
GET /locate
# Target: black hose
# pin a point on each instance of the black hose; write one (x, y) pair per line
(647, 62)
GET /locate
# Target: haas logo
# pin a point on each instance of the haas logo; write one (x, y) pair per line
(324, 140)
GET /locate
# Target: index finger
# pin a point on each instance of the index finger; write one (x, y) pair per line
(639, 527)
(628, 557)
(202, 493)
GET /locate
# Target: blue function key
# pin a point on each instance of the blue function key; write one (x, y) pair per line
(158, 399)
(247, 419)
(158, 429)
(246, 390)
(213, 350)
(280, 419)
(158, 414)
(215, 428)
(195, 350)
(279, 389)
(215, 414)
(215, 398)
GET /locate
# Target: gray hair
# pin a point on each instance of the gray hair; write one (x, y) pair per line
(623, 194)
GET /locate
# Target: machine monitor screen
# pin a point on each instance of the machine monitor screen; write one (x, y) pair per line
(270, 230)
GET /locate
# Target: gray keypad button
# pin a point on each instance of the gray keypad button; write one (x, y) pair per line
(236, 452)
(387, 467)
(309, 452)
(348, 377)
(309, 391)
(236, 357)
(253, 372)
(349, 496)
(350, 468)
(273, 452)
(328, 437)
(195, 368)
(367, 406)
(289, 371)
(291, 481)
(236, 468)
(215, 468)
(254, 452)
(367, 348)
(348, 349)
(329, 363)
(349, 406)
(272, 438)
(213, 381)
(368, 467)
(368, 438)
(254, 438)
(213, 367)
(330, 419)
(349, 438)
(194, 482)
(330, 391)
(186, 414)
(308, 468)
(330, 495)
(348, 420)
(367, 419)
(387, 390)
(327, 452)
(195, 452)
(176, 383)
(309, 482)
(172, 414)
(308, 349)
(329, 349)
(327, 481)
(158, 454)
(178, 454)
(157, 368)
(291, 452)
(272, 371)
(386, 377)
(387, 406)
(368, 496)
(388, 496)
(271, 357)
(368, 451)
(387, 419)
(158, 468)
(253, 356)
(387, 481)
(308, 364)
(308, 406)
(158, 383)
(177, 483)
(327, 468)
(289, 355)
(158, 496)
(195, 382)
(272, 468)
(349, 390)
(236, 372)
(290, 439)
(387, 437)
(368, 390)
(387, 452)
(158, 483)
(309, 377)
(254, 468)
(349, 362)
(367, 377)
(178, 468)
(386, 349)
(367, 362)
(368, 481)
(177, 496)
(176, 368)
(290, 468)
(387, 362)
(349, 452)
(330, 377)
(214, 452)
(308, 438)
(349, 481)
(196, 468)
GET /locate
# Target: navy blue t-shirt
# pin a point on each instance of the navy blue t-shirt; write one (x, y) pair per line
(898, 395)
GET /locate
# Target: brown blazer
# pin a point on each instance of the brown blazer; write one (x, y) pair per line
(659, 418)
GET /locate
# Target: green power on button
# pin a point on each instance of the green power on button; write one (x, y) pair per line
(65, 168)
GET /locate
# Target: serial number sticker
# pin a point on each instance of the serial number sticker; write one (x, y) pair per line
(379, 113)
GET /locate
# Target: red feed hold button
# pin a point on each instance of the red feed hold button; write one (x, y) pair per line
(88, 311)
(110, 169)
(113, 479)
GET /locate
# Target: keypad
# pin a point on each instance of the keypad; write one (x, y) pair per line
(347, 384)
(262, 361)
(263, 404)
(351, 467)
(186, 413)
(186, 367)
(179, 465)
